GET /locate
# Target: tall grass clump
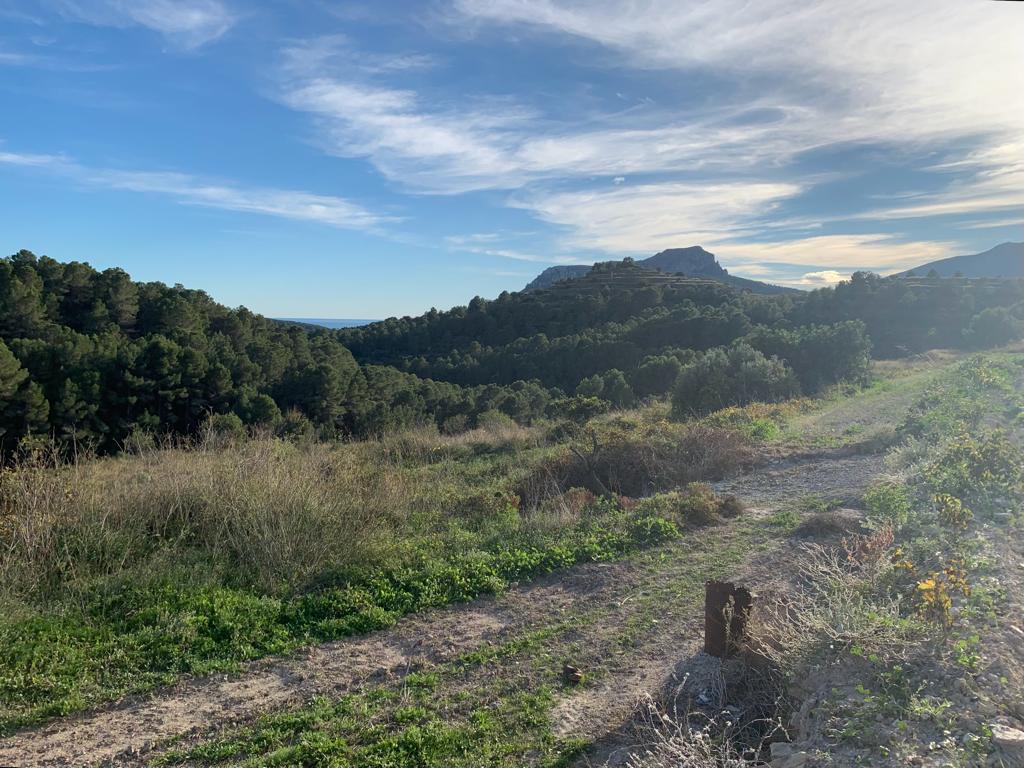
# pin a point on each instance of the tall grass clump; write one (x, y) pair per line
(271, 512)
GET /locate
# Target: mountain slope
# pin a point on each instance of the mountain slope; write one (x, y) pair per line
(693, 262)
(1006, 260)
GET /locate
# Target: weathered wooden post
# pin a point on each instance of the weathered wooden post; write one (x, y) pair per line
(726, 611)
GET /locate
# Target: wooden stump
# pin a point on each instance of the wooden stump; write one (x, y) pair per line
(726, 611)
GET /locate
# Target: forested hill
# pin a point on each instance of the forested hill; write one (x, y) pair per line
(691, 262)
(93, 357)
(635, 329)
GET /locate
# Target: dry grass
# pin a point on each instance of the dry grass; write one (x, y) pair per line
(838, 603)
(426, 444)
(277, 511)
(690, 741)
(641, 459)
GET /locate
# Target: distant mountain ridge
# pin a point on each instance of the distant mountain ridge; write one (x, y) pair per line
(692, 262)
(1005, 260)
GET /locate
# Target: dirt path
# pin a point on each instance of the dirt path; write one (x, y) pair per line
(644, 619)
(829, 476)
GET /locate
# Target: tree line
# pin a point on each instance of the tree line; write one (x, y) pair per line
(91, 357)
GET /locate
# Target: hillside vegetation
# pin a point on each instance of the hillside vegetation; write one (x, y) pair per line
(126, 572)
(691, 262)
(118, 574)
(624, 321)
(175, 501)
(96, 361)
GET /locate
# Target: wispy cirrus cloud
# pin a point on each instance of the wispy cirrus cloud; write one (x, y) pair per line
(489, 244)
(898, 74)
(650, 217)
(446, 146)
(187, 24)
(793, 77)
(880, 251)
(188, 189)
(900, 70)
(989, 179)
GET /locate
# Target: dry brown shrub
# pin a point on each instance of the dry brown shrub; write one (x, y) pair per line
(827, 525)
(277, 511)
(644, 460)
(836, 604)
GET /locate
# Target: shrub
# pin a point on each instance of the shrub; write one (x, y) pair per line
(577, 409)
(735, 376)
(592, 386)
(888, 506)
(225, 428)
(616, 390)
(819, 354)
(495, 421)
(952, 512)
(696, 505)
(993, 327)
(656, 375)
(986, 472)
(652, 530)
(490, 508)
(455, 425)
(660, 457)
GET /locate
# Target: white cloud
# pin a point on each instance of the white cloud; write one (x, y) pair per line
(429, 143)
(883, 69)
(650, 217)
(192, 190)
(439, 151)
(878, 252)
(13, 59)
(796, 76)
(186, 23)
(823, 278)
(910, 75)
(990, 179)
(994, 224)
(32, 160)
(483, 244)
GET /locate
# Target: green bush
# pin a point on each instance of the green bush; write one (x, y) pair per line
(696, 505)
(993, 327)
(735, 376)
(494, 421)
(888, 506)
(820, 355)
(986, 472)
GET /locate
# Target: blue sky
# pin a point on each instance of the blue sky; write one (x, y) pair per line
(327, 159)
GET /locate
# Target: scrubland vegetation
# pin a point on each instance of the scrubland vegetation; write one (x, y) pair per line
(186, 488)
(121, 573)
(897, 645)
(94, 360)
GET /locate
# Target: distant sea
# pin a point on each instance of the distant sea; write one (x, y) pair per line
(327, 322)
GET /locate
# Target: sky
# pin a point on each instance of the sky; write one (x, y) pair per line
(350, 159)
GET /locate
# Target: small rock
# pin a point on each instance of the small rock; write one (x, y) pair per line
(1008, 738)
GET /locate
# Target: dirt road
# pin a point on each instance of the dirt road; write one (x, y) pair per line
(654, 596)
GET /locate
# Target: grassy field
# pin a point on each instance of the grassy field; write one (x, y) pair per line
(126, 573)
(121, 574)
